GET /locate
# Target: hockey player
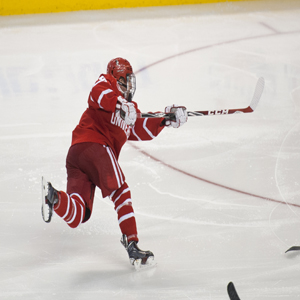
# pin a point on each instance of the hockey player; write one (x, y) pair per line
(108, 122)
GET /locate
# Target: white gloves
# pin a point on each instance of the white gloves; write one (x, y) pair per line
(180, 114)
(127, 111)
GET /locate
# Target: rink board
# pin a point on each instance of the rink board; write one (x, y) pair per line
(18, 7)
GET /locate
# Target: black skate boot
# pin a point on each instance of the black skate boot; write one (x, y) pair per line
(137, 257)
(48, 201)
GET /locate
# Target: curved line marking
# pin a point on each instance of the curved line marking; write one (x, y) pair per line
(184, 172)
(208, 181)
(215, 45)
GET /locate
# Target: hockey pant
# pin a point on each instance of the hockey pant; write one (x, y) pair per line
(90, 165)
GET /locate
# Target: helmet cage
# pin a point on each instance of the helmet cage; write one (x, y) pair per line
(121, 69)
(128, 88)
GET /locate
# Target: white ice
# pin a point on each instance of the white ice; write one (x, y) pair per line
(204, 235)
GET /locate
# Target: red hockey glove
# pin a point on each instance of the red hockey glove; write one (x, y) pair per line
(180, 114)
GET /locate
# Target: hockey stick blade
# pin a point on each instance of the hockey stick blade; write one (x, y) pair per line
(294, 248)
(232, 292)
(257, 93)
(254, 102)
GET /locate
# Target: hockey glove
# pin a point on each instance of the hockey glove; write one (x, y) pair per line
(180, 116)
(127, 112)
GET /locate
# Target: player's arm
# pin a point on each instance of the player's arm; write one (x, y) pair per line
(103, 95)
(148, 128)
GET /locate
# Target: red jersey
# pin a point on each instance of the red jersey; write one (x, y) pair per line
(100, 123)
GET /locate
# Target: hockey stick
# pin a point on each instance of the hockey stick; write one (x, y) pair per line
(255, 99)
(294, 248)
(233, 295)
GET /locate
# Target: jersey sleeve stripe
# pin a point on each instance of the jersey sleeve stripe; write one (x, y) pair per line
(146, 129)
(105, 92)
(134, 133)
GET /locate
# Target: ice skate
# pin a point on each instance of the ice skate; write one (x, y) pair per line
(48, 200)
(137, 257)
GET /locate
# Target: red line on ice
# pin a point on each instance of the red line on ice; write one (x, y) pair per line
(184, 172)
(208, 181)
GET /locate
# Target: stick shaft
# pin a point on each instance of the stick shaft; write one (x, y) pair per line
(170, 116)
(255, 99)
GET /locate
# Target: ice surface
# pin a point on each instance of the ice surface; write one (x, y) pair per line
(234, 228)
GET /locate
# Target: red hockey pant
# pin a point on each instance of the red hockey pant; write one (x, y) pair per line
(90, 165)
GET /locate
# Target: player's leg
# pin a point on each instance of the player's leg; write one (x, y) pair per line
(75, 205)
(123, 207)
(70, 207)
(98, 162)
(105, 172)
(126, 218)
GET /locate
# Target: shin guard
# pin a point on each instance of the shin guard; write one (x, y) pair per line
(71, 208)
(123, 206)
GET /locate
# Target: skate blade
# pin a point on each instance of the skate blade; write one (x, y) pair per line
(149, 263)
(46, 210)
